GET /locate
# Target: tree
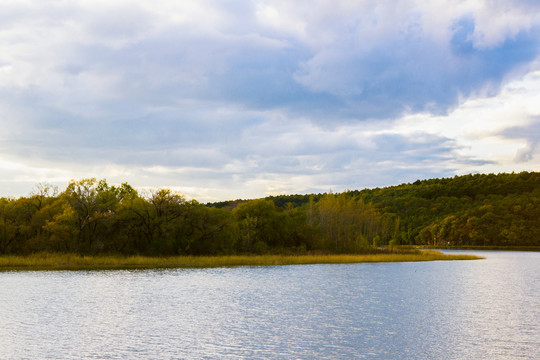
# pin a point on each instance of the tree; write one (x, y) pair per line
(95, 204)
(258, 222)
(159, 220)
(208, 231)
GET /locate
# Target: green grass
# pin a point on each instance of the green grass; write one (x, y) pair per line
(48, 261)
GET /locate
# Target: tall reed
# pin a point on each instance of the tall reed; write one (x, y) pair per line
(52, 261)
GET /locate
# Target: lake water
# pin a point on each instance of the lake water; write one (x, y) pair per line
(485, 309)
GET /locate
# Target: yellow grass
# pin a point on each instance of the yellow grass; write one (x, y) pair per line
(47, 261)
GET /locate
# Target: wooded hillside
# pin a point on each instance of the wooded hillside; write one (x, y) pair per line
(91, 217)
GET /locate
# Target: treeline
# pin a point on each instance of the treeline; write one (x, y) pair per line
(470, 210)
(91, 217)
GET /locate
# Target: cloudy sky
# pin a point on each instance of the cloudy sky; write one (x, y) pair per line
(243, 99)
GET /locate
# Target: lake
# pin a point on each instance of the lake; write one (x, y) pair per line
(483, 309)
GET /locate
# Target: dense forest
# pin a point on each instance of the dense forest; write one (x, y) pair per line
(92, 217)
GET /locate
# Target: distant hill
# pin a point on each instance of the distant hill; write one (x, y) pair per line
(480, 209)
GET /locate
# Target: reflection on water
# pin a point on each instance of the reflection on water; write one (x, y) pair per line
(488, 309)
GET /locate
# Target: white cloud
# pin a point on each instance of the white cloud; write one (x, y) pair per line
(478, 127)
(252, 98)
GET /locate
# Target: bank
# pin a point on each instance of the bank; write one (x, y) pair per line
(53, 261)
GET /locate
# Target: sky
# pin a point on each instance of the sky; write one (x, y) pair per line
(225, 99)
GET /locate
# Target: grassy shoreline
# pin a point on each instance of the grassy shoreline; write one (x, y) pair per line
(48, 261)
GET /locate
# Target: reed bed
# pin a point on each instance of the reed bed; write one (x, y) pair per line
(49, 261)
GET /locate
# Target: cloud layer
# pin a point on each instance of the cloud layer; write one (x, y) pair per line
(249, 98)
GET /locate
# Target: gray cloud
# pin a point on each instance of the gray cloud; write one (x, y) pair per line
(218, 90)
(531, 134)
(135, 64)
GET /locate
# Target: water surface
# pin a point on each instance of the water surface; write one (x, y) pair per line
(485, 309)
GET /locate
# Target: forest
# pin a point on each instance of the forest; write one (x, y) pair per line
(94, 217)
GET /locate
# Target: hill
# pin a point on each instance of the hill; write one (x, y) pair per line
(93, 217)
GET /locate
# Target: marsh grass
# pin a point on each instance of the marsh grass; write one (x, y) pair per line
(52, 261)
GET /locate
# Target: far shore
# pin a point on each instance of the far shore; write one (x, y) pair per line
(48, 261)
(476, 247)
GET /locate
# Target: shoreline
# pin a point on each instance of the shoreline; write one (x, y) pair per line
(473, 247)
(47, 261)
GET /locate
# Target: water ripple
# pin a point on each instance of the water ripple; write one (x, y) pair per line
(445, 310)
